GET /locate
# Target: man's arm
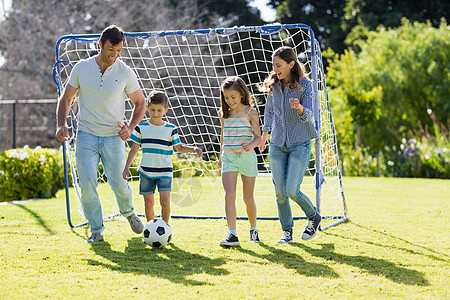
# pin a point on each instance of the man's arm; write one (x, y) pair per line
(138, 113)
(62, 111)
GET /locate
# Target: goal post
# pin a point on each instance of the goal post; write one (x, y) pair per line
(189, 66)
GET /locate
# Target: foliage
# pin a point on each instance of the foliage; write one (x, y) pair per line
(399, 75)
(358, 162)
(324, 17)
(30, 173)
(428, 158)
(388, 250)
(339, 23)
(362, 15)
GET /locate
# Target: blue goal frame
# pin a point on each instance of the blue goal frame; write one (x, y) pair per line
(316, 62)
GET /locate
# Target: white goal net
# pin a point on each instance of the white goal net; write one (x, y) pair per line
(189, 66)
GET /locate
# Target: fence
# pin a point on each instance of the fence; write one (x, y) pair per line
(28, 122)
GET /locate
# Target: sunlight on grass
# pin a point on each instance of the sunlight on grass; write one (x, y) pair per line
(396, 246)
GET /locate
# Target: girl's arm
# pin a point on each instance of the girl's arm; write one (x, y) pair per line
(253, 119)
(262, 143)
(130, 159)
(221, 139)
(268, 117)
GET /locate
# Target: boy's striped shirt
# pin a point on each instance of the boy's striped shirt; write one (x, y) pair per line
(157, 148)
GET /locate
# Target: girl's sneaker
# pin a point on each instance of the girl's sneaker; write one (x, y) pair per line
(230, 240)
(254, 236)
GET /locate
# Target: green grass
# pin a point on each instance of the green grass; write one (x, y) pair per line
(396, 245)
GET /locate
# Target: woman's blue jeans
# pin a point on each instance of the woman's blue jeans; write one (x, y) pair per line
(89, 150)
(288, 165)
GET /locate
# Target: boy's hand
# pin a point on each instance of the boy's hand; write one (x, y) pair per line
(199, 151)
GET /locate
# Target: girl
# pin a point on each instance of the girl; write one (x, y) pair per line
(240, 135)
(288, 115)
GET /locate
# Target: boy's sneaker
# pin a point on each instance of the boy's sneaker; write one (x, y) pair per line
(230, 240)
(311, 228)
(254, 236)
(94, 238)
(135, 223)
(286, 238)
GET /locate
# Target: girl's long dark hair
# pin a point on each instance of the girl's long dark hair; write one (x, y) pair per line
(234, 83)
(297, 72)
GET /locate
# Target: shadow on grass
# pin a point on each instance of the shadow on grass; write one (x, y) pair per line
(394, 246)
(37, 217)
(171, 262)
(372, 265)
(292, 261)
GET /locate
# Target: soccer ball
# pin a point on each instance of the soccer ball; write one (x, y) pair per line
(157, 233)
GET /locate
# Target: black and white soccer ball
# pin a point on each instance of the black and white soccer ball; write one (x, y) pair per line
(157, 233)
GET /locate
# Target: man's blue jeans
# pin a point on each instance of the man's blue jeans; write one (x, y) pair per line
(89, 150)
(288, 165)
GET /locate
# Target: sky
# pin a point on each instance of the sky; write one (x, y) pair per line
(7, 5)
(267, 13)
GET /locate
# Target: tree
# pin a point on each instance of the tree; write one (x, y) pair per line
(394, 83)
(324, 17)
(32, 27)
(363, 15)
(333, 20)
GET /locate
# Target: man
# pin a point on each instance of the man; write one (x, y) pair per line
(103, 82)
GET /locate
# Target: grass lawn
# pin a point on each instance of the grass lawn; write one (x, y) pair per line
(397, 245)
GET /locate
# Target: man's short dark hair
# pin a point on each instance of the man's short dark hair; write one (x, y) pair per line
(113, 33)
(158, 97)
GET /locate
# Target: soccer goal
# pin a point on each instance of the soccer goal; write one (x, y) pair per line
(189, 66)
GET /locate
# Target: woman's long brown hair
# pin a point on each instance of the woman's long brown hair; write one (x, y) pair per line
(297, 72)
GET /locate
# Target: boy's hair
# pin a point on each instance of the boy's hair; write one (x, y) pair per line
(287, 54)
(234, 83)
(158, 97)
(113, 33)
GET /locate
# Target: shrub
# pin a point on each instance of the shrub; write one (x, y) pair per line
(30, 173)
(358, 162)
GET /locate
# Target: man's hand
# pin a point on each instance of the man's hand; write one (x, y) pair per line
(124, 131)
(126, 174)
(62, 133)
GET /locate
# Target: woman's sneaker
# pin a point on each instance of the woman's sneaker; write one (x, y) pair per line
(254, 236)
(286, 238)
(229, 241)
(311, 228)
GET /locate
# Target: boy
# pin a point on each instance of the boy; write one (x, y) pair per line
(157, 139)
